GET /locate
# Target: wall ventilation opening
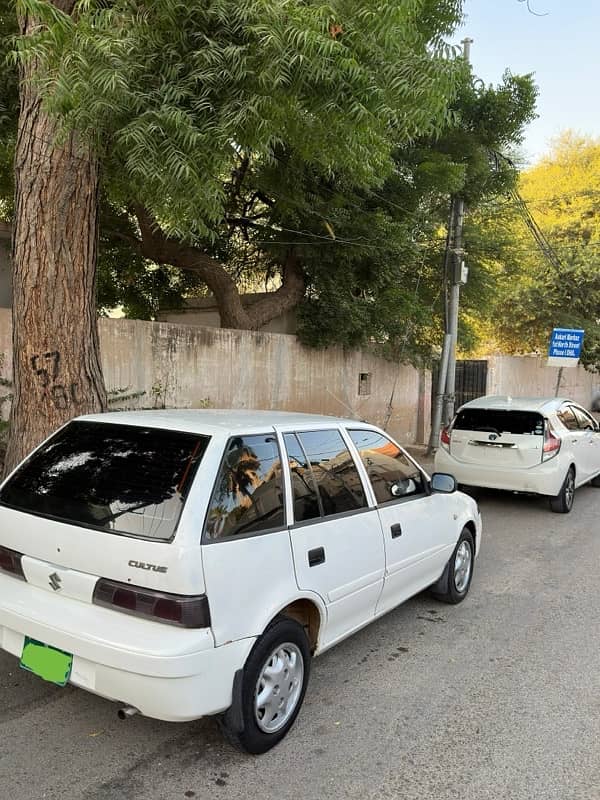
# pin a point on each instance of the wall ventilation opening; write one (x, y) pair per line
(364, 383)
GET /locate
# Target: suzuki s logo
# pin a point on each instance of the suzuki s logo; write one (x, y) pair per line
(492, 437)
(55, 581)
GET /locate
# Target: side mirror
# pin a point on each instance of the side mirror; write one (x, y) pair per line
(442, 483)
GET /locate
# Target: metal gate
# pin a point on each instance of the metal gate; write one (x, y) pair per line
(471, 381)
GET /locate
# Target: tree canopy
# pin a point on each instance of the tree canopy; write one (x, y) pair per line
(562, 193)
(308, 146)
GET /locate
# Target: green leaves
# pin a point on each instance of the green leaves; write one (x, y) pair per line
(163, 89)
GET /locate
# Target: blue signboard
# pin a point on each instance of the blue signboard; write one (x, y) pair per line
(565, 346)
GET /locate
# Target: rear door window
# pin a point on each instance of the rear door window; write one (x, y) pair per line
(248, 494)
(393, 476)
(522, 423)
(567, 416)
(335, 473)
(584, 421)
(117, 478)
(307, 504)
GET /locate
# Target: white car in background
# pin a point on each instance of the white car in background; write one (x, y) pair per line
(187, 563)
(547, 446)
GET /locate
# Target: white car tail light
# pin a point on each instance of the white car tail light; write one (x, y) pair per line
(186, 612)
(445, 438)
(10, 561)
(551, 443)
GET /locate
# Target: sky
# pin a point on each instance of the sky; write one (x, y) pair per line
(561, 48)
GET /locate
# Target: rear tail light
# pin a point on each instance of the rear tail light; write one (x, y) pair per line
(174, 609)
(445, 438)
(551, 443)
(10, 561)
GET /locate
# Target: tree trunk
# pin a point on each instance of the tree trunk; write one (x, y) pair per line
(56, 363)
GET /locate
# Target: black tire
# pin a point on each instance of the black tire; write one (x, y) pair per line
(450, 588)
(563, 502)
(241, 723)
(595, 481)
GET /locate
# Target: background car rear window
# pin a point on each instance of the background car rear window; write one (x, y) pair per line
(117, 478)
(248, 495)
(392, 475)
(496, 421)
(336, 475)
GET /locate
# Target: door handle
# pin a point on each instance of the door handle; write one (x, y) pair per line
(316, 556)
(396, 530)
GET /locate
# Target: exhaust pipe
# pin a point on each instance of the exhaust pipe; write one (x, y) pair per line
(127, 711)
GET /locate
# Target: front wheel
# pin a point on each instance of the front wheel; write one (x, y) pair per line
(563, 502)
(455, 582)
(273, 686)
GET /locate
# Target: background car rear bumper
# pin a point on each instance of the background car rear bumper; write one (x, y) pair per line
(544, 478)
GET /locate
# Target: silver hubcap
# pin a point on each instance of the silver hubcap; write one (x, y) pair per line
(569, 490)
(462, 566)
(278, 688)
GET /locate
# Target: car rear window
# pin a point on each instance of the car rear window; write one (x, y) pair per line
(495, 421)
(117, 478)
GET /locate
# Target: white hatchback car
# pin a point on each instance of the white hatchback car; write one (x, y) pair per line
(188, 563)
(546, 446)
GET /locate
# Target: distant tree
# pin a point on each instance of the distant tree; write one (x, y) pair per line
(531, 295)
(387, 286)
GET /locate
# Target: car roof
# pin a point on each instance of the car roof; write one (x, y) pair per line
(508, 403)
(216, 420)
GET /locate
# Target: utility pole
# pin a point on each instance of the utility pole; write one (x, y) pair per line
(457, 279)
(444, 405)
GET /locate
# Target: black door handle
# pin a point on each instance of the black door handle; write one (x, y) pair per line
(396, 530)
(316, 556)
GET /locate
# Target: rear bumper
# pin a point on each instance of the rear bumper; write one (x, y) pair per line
(166, 673)
(545, 478)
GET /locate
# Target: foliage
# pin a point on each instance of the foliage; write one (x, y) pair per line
(387, 289)
(563, 194)
(8, 108)
(170, 90)
(258, 130)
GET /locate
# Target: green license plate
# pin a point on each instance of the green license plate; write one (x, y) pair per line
(46, 662)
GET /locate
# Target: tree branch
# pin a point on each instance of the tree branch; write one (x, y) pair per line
(158, 247)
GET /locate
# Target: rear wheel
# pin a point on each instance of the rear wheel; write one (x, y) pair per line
(455, 582)
(563, 502)
(273, 686)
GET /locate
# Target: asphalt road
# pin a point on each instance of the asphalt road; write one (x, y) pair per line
(496, 698)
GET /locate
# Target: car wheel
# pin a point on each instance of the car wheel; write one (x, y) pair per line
(563, 502)
(595, 481)
(273, 685)
(455, 582)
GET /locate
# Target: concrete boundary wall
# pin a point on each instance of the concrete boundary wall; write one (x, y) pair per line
(528, 376)
(156, 364)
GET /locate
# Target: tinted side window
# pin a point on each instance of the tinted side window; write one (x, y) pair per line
(585, 422)
(338, 481)
(568, 418)
(248, 496)
(304, 487)
(391, 473)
